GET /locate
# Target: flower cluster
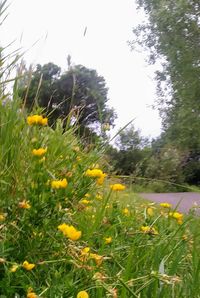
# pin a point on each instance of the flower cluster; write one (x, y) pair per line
(117, 187)
(178, 216)
(70, 231)
(39, 152)
(87, 255)
(96, 173)
(126, 211)
(37, 119)
(82, 294)
(165, 205)
(24, 205)
(149, 230)
(28, 266)
(59, 183)
(31, 294)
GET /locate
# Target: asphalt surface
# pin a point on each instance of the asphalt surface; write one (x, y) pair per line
(183, 200)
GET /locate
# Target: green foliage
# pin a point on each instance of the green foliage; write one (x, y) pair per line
(132, 149)
(171, 34)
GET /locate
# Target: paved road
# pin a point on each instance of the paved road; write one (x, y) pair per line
(184, 200)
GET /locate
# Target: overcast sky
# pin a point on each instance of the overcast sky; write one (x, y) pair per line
(58, 27)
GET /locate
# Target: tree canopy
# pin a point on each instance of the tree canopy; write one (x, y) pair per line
(79, 91)
(171, 33)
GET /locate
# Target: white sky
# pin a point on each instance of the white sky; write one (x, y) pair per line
(59, 26)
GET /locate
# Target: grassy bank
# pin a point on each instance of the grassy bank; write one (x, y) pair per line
(64, 230)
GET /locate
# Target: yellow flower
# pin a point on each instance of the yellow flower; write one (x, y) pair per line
(2, 217)
(126, 212)
(28, 266)
(149, 230)
(14, 268)
(165, 205)
(39, 152)
(178, 216)
(150, 211)
(117, 187)
(85, 254)
(99, 197)
(31, 294)
(108, 240)
(37, 119)
(59, 183)
(44, 121)
(70, 232)
(100, 180)
(85, 250)
(87, 195)
(94, 173)
(24, 205)
(84, 201)
(82, 294)
(97, 258)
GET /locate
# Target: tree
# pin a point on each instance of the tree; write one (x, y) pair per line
(131, 150)
(79, 91)
(171, 34)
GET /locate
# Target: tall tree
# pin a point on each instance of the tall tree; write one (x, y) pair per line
(172, 36)
(79, 91)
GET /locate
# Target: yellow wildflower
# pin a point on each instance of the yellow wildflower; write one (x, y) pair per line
(150, 211)
(149, 230)
(126, 212)
(100, 180)
(44, 121)
(108, 240)
(31, 294)
(82, 294)
(87, 195)
(178, 216)
(70, 231)
(117, 187)
(59, 183)
(97, 258)
(85, 250)
(165, 205)
(2, 217)
(24, 205)
(84, 201)
(28, 266)
(39, 152)
(14, 268)
(84, 254)
(34, 119)
(94, 173)
(37, 119)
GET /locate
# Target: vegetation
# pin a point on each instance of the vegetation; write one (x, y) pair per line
(68, 229)
(170, 34)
